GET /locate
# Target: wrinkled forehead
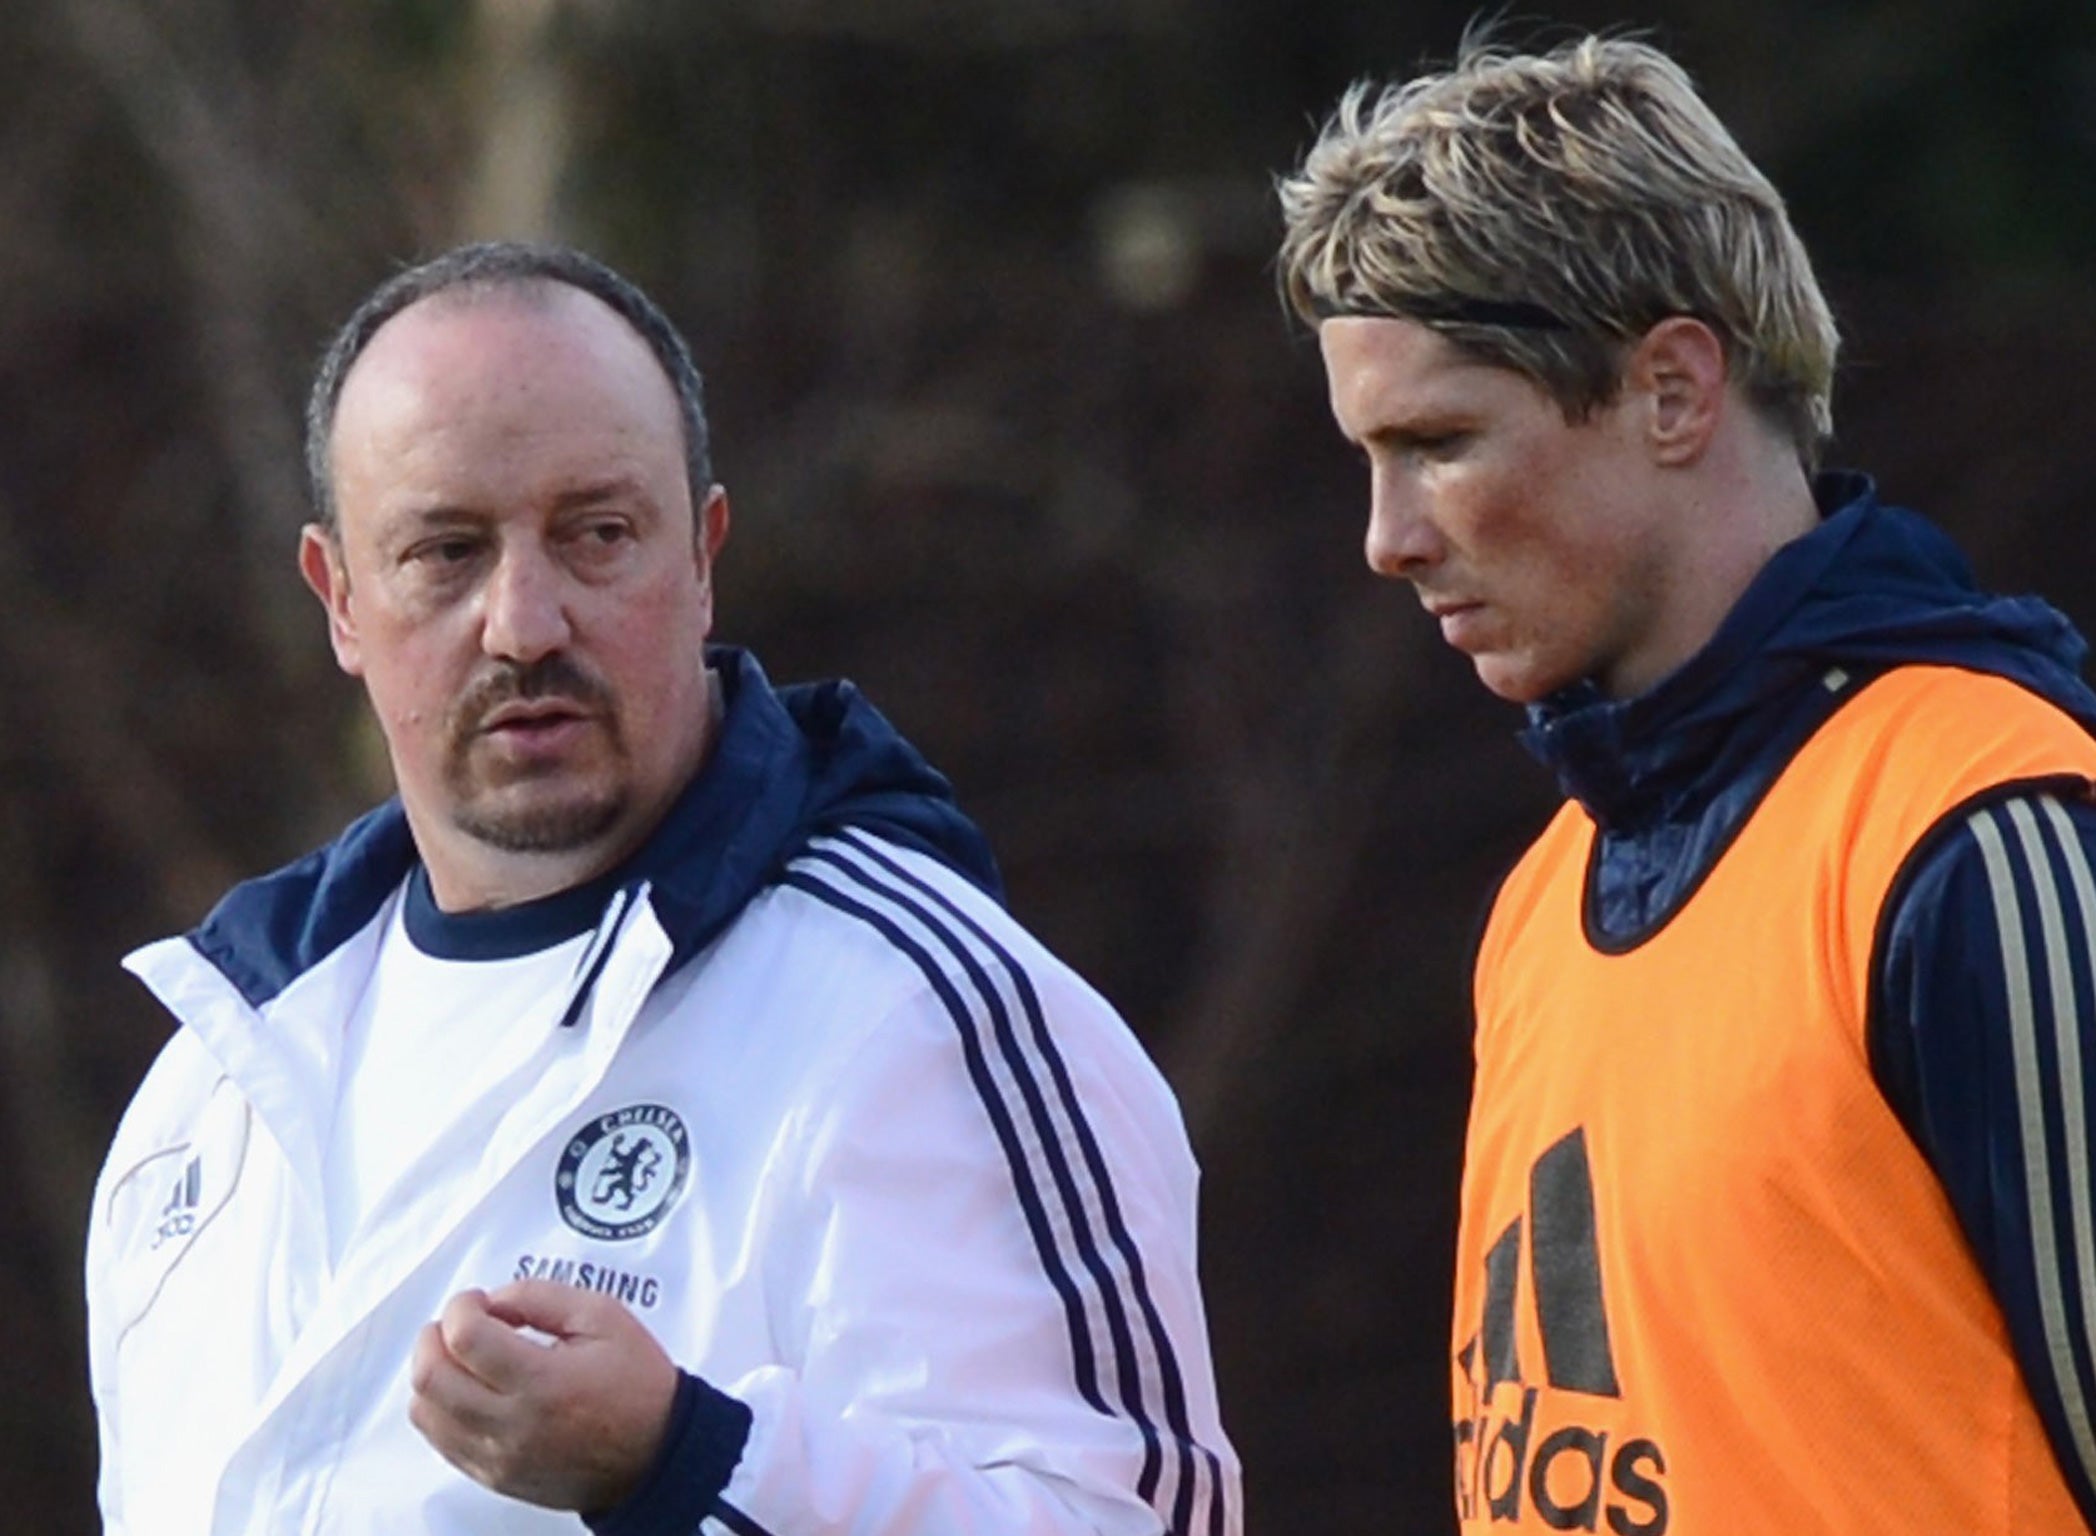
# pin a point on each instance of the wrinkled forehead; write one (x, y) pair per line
(509, 401)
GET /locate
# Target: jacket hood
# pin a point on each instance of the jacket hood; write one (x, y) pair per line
(787, 765)
(1871, 587)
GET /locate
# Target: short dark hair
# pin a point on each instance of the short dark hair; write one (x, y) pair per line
(497, 264)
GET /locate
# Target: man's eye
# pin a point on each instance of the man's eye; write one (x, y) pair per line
(444, 551)
(607, 533)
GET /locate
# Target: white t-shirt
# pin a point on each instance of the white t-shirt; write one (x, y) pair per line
(435, 1031)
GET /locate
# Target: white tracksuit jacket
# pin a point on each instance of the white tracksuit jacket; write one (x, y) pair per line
(918, 1200)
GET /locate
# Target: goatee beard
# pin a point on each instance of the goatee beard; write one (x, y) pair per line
(559, 828)
(556, 825)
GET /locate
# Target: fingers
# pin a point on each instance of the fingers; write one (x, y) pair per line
(477, 1424)
(563, 1311)
(485, 1344)
(451, 1407)
(569, 1423)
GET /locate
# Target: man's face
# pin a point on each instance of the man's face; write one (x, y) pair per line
(1544, 548)
(515, 575)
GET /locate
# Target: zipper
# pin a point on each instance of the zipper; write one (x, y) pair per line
(590, 966)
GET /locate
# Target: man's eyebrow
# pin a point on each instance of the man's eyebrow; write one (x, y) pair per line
(439, 514)
(596, 492)
(1420, 426)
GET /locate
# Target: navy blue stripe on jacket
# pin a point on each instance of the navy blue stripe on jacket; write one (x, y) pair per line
(735, 1520)
(1124, 1361)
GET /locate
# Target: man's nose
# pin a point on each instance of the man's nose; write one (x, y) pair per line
(1401, 541)
(524, 608)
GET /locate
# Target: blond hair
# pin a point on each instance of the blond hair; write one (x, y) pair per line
(1543, 211)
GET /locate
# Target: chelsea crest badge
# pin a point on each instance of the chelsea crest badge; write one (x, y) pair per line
(620, 1174)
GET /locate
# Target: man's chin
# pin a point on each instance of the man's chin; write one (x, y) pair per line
(529, 823)
(1511, 679)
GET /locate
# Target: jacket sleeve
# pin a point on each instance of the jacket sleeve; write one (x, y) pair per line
(988, 1319)
(1983, 1036)
(101, 1366)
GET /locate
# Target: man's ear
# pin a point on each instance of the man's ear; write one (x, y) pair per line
(1678, 371)
(713, 525)
(320, 562)
(709, 534)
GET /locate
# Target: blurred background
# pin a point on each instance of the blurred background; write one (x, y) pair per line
(1018, 437)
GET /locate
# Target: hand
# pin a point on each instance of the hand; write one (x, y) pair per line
(569, 1422)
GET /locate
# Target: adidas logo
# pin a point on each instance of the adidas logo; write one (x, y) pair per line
(1571, 1477)
(178, 1216)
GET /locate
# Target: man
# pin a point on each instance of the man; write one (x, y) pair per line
(1776, 1207)
(651, 1115)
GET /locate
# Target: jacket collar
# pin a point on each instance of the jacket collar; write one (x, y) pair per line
(1871, 586)
(787, 765)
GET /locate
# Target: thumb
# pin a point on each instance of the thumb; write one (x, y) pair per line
(561, 1311)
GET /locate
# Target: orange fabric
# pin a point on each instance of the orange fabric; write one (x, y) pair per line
(1683, 1183)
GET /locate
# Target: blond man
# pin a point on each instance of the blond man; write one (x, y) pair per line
(1777, 1208)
